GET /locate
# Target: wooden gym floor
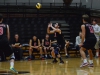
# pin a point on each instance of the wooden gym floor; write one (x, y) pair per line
(45, 67)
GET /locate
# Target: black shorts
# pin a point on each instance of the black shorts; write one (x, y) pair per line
(89, 43)
(5, 47)
(62, 45)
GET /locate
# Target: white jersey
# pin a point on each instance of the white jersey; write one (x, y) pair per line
(78, 40)
(96, 31)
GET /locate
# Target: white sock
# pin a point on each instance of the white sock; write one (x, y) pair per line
(85, 60)
(66, 54)
(11, 64)
(97, 54)
(91, 61)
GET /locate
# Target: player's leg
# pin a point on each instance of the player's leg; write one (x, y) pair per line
(41, 52)
(93, 42)
(8, 51)
(30, 53)
(58, 53)
(65, 48)
(45, 51)
(54, 56)
(91, 58)
(12, 63)
(85, 62)
(50, 49)
(97, 49)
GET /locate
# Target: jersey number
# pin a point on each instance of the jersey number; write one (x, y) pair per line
(1, 30)
(91, 29)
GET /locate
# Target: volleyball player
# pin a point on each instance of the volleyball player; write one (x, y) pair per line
(90, 41)
(4, 43)
(60, 40)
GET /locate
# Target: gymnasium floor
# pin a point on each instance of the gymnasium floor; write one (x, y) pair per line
(45, 67)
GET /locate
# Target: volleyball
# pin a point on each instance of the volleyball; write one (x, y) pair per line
(38, 5)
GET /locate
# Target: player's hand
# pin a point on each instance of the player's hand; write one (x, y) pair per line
(67, 42)
(47, 48)
(49, 25)
(17, 46)
(13, 45)
(80, 45)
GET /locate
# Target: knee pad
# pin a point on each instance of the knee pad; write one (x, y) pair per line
(56, 51)
(12, 56)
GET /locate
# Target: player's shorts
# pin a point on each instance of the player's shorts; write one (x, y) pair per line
(5, 47)
(62, 45)
(90, 43)
(97, 45)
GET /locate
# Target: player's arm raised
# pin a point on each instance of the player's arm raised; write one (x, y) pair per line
(83, 33)
(56, 30)
(50, 31)
(8, 33)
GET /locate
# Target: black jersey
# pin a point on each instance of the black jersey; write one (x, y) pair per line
(3, 31)
(89, 31)
(60, 38)
(35, 43)
(47, 42)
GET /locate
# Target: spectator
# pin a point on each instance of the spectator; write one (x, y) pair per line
(66, 48)
(78, 41)
(46, 43)
(16, 45)
(96, 32)
(35, 46)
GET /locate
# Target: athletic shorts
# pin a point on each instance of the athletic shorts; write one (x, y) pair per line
(90, 43)
(5, 47)
(62, 45)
